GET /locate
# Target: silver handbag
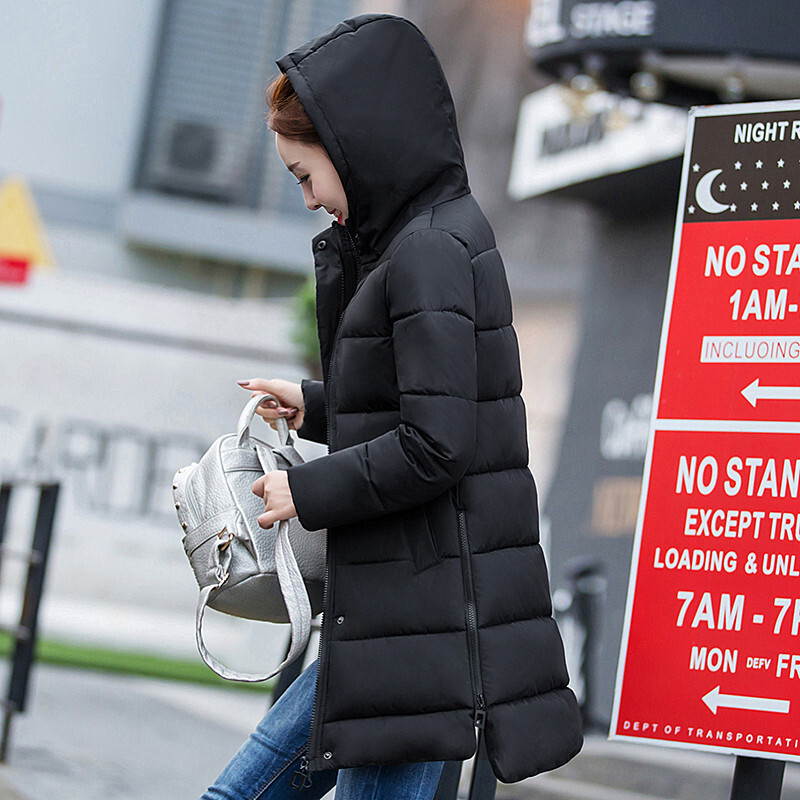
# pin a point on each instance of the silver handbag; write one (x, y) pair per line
(275, 575)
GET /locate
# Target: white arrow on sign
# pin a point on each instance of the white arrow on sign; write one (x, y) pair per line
(714, 700)
(753, 393)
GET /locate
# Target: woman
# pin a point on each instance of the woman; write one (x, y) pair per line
(437, 620)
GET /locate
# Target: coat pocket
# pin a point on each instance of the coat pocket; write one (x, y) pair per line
(421, 542)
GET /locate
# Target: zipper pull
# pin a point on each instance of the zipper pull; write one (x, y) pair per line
(480, 713)
(301, 779)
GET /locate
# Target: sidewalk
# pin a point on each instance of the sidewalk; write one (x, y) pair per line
(7, 793)
(93, 736)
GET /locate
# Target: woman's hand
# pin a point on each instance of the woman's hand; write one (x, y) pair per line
(289, 395)
(278, 503)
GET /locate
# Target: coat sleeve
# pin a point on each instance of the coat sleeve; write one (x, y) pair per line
(315, 425)
(430, 296)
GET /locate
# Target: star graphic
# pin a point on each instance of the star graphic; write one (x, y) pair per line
(787, 184)
(722, 187)
(743, 185)
(780, 162)
(695, 168)
(754, 207)
(797, 204)
(776, 206)
(759, 164)
(765, 185)
(737, 165)
(690, 209)
(733, 206)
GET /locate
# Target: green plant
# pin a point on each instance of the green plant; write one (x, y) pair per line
(304, 334)
(82, 656)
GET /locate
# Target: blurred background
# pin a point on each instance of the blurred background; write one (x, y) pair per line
(153, 251)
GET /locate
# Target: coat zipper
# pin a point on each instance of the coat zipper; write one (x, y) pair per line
(301, 778)
(343, 299)
(328, 415)
(472, 622)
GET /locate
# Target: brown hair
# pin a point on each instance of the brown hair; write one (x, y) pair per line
(286, 114)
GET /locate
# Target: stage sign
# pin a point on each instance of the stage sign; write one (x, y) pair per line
(710, 655)
(565, 138)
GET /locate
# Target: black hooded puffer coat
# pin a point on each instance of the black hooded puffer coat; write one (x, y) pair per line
(437, 611)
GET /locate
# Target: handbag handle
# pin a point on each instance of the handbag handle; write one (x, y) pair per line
(297, 603)
(246, 418)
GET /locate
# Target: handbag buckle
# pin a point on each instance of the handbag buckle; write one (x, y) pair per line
(224, 544)
(224, 539)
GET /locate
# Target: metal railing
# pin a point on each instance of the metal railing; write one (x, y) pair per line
(23, 633)
(578, 610)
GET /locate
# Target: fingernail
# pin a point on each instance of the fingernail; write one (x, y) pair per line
(283, 412)
(243, 383)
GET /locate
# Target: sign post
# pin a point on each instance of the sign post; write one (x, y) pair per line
(710, 655)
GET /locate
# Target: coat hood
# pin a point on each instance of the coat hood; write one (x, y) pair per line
(378, 98)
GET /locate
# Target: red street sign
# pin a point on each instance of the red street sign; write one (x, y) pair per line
(13, 270)
(710, 655)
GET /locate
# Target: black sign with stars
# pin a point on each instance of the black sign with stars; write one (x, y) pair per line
(744, 167)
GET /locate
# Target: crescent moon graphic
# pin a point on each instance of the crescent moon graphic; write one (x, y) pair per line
(703, 193)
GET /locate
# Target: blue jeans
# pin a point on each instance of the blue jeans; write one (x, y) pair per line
(264, 765)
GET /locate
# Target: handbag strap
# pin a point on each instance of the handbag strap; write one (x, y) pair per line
(298, 606)
(293, 588)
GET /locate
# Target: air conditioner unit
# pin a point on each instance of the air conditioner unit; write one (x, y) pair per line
(194, 157)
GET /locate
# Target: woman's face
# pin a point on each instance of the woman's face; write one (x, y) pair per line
(314, 170)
